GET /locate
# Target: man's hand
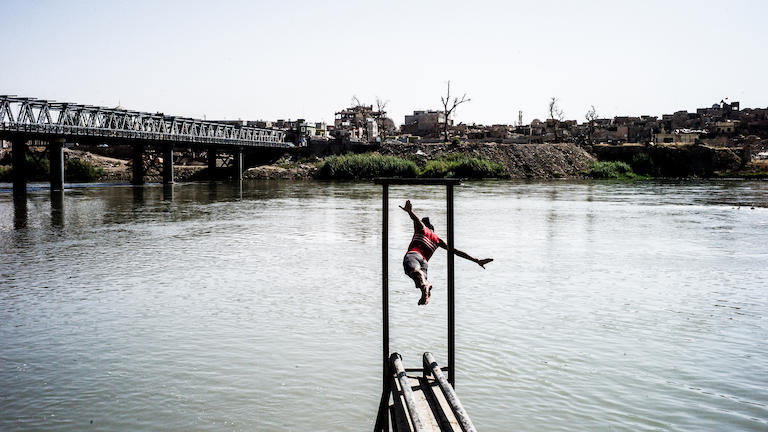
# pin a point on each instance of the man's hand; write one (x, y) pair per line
(408, 207)
(483, 262)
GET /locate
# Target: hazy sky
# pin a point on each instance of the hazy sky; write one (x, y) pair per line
(306, 59)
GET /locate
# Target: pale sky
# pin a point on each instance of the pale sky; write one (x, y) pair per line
(306, 59)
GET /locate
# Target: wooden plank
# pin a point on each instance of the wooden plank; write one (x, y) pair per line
(430, 365)
(439, 406)
(450, 422)
(423, 406)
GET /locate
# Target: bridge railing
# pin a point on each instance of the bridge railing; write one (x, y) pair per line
(35, 116)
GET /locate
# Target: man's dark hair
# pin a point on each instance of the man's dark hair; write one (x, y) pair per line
(425, 220)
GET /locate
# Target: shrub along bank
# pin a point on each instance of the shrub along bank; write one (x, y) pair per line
(75, 170)
(372, 165)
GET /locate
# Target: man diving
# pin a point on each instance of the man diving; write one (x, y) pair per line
(420, 250)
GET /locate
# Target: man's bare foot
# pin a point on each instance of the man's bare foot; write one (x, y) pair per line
(426, 293)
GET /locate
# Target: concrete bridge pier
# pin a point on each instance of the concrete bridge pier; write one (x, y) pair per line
(56, 163)
(19, 163)
(137, 164)
(168, 164)
(237, 163)
(211, 163)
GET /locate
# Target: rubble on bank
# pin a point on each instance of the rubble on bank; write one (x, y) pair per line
(299, 171)
(564, 160)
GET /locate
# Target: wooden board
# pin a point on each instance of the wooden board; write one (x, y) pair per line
(430, 402)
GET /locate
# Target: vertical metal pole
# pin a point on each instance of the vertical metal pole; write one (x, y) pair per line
(451, 302)
(237, 155)
(385, 300)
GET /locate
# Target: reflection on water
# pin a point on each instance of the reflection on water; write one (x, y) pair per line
(57, 208)
(210, 306)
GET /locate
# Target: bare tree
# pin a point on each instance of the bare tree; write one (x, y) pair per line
(453, 104)
(591, 116)
(380, 115)
(555, 113)
(356, 101)
(381, 105)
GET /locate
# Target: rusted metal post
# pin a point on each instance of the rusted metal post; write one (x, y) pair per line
(385, 302)
(451, 299)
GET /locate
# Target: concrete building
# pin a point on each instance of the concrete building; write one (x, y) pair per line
(428, 123)
(679, 136)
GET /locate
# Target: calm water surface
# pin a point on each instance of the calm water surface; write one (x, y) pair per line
(209, 307)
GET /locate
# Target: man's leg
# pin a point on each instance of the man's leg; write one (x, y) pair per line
(415, 269)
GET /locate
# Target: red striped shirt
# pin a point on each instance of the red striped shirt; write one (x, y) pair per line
(425, 243)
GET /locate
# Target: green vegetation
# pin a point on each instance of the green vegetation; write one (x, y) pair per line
(642, 164)
(371, 165)
(747, 175)
(5, 173)
(79, 170)
(365, 166)
(38, 169)
(611, 170)
(462, 165)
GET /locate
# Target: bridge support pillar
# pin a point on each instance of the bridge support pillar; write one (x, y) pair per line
(211, 163)
(137, 164)
(56, 163)
(168, 164)
(237, 163)
(19, 161)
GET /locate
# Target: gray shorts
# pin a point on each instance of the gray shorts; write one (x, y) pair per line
(413, 261)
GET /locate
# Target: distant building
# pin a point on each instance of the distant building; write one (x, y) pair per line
(679, 137)
(362, 123)
(425, 123)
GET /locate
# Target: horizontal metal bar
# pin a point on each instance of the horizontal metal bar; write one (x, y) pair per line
(416, 181)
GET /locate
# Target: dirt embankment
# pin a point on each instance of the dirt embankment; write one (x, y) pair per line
(119, 170)
(676, 160)
(521, 160)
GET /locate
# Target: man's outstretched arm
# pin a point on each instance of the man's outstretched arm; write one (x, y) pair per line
(418, 225)
(466, 256)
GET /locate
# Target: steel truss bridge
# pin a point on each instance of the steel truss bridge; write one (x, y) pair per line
(25, 119)
(42, 119)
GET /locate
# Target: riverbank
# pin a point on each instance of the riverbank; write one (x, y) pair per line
(457, 159)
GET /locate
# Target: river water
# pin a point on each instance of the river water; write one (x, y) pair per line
(209, 307)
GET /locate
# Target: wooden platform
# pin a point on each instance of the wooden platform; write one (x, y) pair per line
(421, 400)
(434, 409)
